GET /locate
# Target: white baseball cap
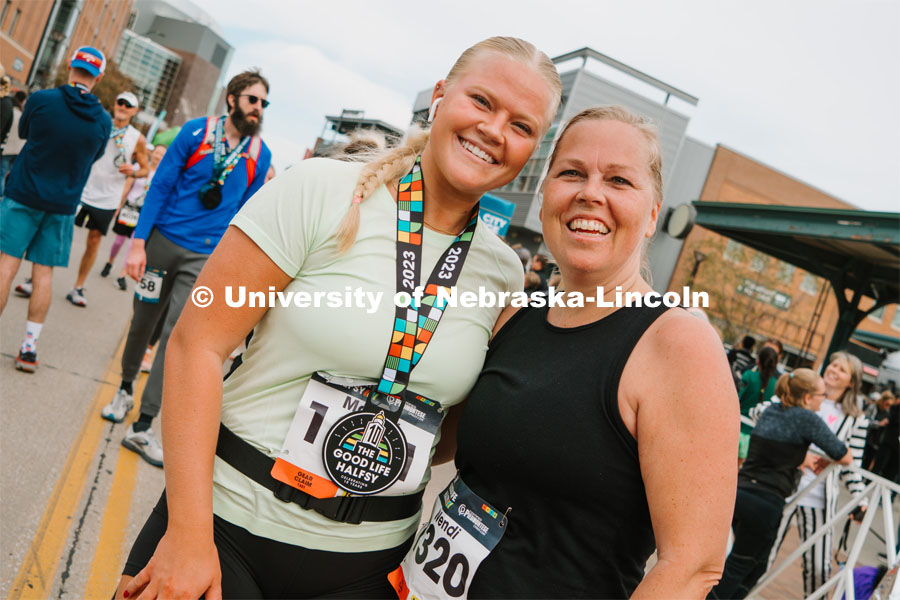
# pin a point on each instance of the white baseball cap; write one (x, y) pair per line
(128, 97)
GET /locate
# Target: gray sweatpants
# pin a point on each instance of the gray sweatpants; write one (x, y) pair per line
(181, 269)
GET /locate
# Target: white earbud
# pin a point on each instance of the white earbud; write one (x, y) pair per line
(433, 109)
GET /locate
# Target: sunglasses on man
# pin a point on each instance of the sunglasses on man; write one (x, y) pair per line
(254, 99)
(124, 102)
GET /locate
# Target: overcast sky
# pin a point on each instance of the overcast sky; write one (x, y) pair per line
(811, 88)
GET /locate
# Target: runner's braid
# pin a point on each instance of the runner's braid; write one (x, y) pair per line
(388, 167)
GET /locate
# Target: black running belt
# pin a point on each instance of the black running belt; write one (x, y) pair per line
(346, 509)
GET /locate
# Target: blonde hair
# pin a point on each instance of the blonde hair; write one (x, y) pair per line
(623, 115)
(396, 162)
(792, 387)
(654, 147)
(848, 400)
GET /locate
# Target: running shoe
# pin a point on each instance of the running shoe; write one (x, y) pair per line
(121, 282)
(106, 269)
(145, 444)
(27, 361)
(24, 289)
(147, 363)
(76, 297)
(118, 407)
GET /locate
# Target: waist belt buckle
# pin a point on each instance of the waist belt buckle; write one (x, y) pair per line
(288, 493)
(344, 509)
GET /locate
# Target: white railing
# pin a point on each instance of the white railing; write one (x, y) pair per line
(878, 492)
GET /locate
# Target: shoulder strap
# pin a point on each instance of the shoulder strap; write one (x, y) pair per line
(252, 157)
(205, 145)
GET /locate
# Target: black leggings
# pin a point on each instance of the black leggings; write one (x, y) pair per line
(256, 567)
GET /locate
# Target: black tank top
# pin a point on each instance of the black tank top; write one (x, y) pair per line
(541, 433)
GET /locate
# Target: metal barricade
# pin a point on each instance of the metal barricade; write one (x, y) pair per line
(878, 492)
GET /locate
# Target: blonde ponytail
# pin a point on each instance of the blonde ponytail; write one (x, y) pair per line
(792, 387)
(384, 167)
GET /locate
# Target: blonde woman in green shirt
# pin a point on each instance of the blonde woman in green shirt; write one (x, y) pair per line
(219, 529)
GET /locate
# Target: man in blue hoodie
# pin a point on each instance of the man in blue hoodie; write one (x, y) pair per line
(65, 130)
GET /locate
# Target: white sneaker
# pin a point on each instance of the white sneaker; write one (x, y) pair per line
(76, 297)
(145, 444)
(24, 289)
(116, 410)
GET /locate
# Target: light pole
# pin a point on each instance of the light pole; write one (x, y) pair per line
(699, 257)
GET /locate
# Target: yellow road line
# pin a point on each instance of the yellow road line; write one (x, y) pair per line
(110, 553)
(36, 574)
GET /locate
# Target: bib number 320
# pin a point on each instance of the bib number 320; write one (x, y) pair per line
(462, 531)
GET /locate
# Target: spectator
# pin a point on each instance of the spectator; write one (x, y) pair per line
(877, 413)
(887, 458)
(741, 358)
(14, 143)
(102, 195)
(524, 255)
(778, 446)
(540, 264)
(65, 130)
(757, 385)
(211, 169)
(840, 411)
(6, 107)
(129, 211)
(778, 347)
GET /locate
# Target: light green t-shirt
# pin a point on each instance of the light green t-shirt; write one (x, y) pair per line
(293, 219)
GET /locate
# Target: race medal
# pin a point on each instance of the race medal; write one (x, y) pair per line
(348, 438)
(329, 447)
(150, 286)
(364, 453)
(128, 216)
(211, 195)
(462, 531)
(119, 160)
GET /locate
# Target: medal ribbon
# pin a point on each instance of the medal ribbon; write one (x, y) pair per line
(117, 135)
(139, 202)
(222, 168)
(415, 326)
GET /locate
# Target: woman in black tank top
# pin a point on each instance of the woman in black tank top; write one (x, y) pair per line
(607, 432)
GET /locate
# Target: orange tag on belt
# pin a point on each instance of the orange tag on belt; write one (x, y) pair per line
(314, 485)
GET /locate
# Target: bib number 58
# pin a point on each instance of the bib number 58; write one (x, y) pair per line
(456, 564)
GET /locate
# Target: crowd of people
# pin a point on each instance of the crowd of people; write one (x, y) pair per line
(301, 473)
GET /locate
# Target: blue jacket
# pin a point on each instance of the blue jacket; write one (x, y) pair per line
(173, 202)
(65, 130)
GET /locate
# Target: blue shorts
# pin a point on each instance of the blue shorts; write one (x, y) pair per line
(42, 237)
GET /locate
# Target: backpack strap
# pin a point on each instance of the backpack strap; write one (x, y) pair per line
(205, 146)
(252, 156)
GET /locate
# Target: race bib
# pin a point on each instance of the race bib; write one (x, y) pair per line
(128, 216)
(148, 289)
(347, 440)
(462, 531)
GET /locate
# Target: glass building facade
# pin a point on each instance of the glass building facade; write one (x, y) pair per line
(150, 66)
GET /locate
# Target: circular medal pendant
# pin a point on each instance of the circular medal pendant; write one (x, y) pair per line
(211, 196)
(119, 160)
(364, 453)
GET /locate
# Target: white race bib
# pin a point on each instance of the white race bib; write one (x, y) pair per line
(128, 216)
(148, 289)
(342, 443)
(462, 531)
